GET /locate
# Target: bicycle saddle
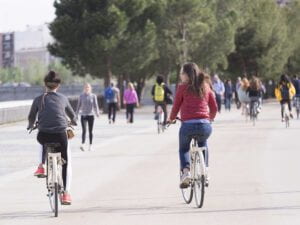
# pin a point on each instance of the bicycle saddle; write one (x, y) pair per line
(196, 136)
(51, 147)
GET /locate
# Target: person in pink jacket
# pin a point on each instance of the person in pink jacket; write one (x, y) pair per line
(130, 99)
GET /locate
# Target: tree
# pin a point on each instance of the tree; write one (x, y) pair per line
(89, 33)
(262, 44)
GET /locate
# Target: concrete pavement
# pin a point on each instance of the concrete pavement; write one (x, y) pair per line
(132, 176)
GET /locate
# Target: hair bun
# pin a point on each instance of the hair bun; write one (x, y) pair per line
(52, 74)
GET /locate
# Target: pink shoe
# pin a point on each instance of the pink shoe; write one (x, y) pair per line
(40, 172)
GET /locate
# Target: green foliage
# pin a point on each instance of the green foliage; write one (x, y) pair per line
(136, 39)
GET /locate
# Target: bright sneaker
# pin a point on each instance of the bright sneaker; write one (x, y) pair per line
(40, 172)
(82, 148)
(91, 148)
(185, 179)
(282, 120)
(66, 199)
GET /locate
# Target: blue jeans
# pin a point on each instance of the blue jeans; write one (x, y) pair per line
(186, 131)
(228, 103)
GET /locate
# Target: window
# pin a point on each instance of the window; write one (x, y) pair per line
(7, 37)
(7, 55)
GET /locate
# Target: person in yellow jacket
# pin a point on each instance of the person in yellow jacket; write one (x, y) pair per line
(284, 92)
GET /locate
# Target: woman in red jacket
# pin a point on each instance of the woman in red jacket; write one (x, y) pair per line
(197, 105)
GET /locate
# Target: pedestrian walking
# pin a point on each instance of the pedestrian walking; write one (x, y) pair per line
(219, 89)
(228, 94)
(130, 99)
(112, 97)
(87, 107)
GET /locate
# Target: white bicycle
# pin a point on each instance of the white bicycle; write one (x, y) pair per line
(160, 119)
(198, 174)
(54, 181)
(198, 181)
(286, 115)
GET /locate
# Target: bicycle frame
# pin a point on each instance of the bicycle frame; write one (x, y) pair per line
(160, 118)
(194, 149)
(54, 173)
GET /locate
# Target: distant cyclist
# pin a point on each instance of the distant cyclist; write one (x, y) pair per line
(52, 110)
(160, 92)
(243, 96)
(255, 93)
(284, 93)
(113, 100)
(197, 105)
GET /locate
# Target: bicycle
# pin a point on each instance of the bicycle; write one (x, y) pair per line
(160, 119)
(198, 171)
(286, 115)
(253, 111)
(54, 181)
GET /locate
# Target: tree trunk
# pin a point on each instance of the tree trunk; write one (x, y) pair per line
(121, 87)
(107, 79)
(140, 88)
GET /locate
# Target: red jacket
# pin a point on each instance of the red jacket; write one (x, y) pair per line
(192, 106)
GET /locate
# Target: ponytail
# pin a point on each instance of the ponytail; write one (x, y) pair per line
(196, 79)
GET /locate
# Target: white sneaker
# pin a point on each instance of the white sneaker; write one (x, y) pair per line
(90, 148)
(185, 179)
(206, 177)
(82, 147)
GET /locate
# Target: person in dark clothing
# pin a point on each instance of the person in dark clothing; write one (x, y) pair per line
(228, 94)
(161, 93)
(53, 110)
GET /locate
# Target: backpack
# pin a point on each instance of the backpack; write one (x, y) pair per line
(285, 92)
(159, 93)
(109, 94)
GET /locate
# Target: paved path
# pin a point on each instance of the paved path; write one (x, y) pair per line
(132, 177)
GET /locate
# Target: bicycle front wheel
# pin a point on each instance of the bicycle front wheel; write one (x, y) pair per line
(199, 181)
(187, 193)
(53, 199)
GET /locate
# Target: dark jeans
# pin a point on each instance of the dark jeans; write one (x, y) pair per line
(186, 131)
(90, 121)
(62, 139)
(163, 105)
(219, 102)
(130, 112)
(282, 102)
(228, 103)
(112, 110)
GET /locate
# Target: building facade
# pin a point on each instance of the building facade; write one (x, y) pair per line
(7, 50)
(23, 48)
(1, 50)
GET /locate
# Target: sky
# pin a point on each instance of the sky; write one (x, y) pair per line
(16, 15)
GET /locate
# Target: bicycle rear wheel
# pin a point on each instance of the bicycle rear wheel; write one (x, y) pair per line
(199, 182)
(187, 193)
